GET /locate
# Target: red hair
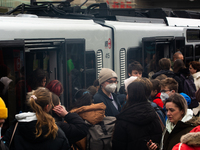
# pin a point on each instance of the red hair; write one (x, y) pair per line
(55, 86)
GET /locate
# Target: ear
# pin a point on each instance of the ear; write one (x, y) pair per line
(129, 74)
(173, 91)
(46, 108)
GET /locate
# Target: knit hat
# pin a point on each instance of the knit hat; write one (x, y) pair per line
(106, 74)
(3, 110)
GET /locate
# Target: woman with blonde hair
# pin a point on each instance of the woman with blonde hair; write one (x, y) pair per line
(37, 129)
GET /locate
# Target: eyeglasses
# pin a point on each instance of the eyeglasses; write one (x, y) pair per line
(111, 81)
(164, 91)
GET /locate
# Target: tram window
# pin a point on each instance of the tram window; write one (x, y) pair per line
(193, 35)
(134, 54)
(189, 51)
(90, 68)
(197, 50)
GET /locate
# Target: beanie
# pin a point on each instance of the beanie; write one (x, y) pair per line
(106, 74)
(3, 110)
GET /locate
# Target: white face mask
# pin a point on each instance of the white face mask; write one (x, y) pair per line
(164, 96)
(111, 87)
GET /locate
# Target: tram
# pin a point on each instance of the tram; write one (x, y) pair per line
(74, 48)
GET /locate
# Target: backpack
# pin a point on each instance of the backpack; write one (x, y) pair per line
(189, 88)
(99, 136)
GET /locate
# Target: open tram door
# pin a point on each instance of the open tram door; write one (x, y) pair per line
(74, 72)
(12, 77)
(155, 48)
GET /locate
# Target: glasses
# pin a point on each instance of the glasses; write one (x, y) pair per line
(164, 91)
(111, 81)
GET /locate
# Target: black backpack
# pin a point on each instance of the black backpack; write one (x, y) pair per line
(99, 136)
(189, 88)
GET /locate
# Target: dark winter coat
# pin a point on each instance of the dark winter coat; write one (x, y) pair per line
(170, 74)
(135, 126)
(74, 128)
(24, 138)
(171, 139)
(110, 108)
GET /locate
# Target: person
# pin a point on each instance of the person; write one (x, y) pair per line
(92, 89)
(73, 125)
(3, 116)
(194, 68)
(161, 77)
(187, 82)
(155, 93)
(169, 86)
(191, 140)
(165, 66)
(56, 87)
(37, 79)
(92, 113)
(135, 69)
(178, 55)
(37, 129)
(177, 124)
(108, 84)
(138, 121)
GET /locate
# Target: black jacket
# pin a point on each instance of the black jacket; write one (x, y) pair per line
(110, 108)
(170, 74)
(74, 128)
(24, 138)
(135, 126)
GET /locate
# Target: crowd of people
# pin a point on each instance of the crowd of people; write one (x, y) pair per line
(159, 112)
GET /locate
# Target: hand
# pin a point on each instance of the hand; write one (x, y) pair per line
(151, 145)
(60, 111)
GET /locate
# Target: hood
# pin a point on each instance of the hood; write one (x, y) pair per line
(93, 113)
(196, 75)
(26, 127)
(139, 114)
(170, 126)
(168, 73)
(192, 138)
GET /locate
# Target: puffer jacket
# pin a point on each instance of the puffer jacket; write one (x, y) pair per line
(189, 141)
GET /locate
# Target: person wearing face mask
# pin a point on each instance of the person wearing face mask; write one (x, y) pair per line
(108, 84)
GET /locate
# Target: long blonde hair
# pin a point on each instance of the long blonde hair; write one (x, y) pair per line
(40, 99)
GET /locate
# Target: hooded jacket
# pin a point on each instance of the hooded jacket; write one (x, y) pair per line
(190, 141)
(173, 133)
(170, 74)
(25, 138)
(135, 126)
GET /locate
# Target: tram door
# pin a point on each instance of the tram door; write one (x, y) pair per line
(74, 72)
(12, 77)
(155, 48)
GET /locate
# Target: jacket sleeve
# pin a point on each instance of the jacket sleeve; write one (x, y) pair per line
(74, 128)
(120, 140)
(7, 136)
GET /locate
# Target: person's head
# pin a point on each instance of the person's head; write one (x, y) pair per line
(169, 86)
(38, 79)
(3, 112)
(135, 69)
(161, 77)
(164, 64)
(41, 103)
(178, 64)
(96, 84)
(176, 107)
(194, 67)
(156, 87)
(92, 89)
(55, 86)
(82, 98)
(108, 80)
(178, 55)
(55, 101)
(139, 91)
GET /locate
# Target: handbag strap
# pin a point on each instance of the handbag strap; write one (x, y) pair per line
(161, 123)
(13, 134)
